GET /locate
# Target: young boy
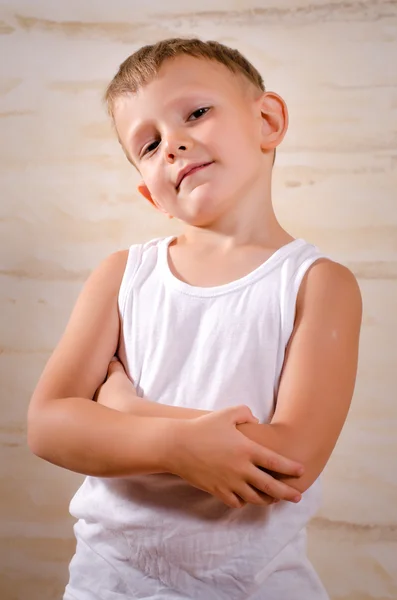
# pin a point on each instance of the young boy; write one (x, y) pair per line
(239, 345)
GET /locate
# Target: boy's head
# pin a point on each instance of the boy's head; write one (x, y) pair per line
(184, 102)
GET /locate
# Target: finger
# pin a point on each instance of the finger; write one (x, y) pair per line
(115, 366)
(254, 496)
(231, 500)
(271, 461)
(272, 487)
(241, 414)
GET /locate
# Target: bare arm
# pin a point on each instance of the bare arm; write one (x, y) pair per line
(319, 372)
(64, 426)
(119, 393)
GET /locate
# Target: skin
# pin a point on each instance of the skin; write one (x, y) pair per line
(229, 229)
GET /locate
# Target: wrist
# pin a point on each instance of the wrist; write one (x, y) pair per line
(174, 443)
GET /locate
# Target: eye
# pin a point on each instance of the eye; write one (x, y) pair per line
(199, 112)
(150, 147)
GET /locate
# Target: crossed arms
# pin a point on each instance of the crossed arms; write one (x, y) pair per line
(226, 453)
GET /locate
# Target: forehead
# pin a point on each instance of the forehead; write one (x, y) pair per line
(184, 71)
(178, 79)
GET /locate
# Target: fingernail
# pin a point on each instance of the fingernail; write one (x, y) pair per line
(297, 498)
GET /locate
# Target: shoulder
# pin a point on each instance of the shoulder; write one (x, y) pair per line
(109, 272)
(114, 262)
(329, 287)
(112, 268)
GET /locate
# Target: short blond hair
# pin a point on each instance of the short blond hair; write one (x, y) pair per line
(142, 67)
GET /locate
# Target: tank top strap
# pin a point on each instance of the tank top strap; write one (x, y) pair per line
(294, 270)
(131, 267)
(135, 258)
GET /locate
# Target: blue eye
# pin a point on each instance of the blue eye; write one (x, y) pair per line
(200, 112)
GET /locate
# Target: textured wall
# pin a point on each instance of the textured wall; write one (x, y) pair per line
(68, 199)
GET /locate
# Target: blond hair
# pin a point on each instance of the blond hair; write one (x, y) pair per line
(142, 67)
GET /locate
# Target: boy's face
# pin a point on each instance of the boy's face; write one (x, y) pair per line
(196, 112)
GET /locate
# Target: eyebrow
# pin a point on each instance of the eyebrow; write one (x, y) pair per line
(138, 130)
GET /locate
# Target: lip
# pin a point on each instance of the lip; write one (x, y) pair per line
(187, 170)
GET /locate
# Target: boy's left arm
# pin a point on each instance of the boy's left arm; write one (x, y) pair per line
(319, 372)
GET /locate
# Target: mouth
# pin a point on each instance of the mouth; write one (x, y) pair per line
(193, 170)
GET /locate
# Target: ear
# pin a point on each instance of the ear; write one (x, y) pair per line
(144, 190)
(274, 120)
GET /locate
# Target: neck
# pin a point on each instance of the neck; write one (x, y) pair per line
(256, 225)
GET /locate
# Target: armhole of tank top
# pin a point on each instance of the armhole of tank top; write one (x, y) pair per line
(288, 312)
(131, 267)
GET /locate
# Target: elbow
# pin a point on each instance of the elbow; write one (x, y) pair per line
(37, 429)
(291, 445)
(305, 481)
(313, 466)
(313, 458)
(35, 438)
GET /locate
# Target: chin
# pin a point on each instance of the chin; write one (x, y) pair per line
(197, 220)
(204, 206)
(202, 218)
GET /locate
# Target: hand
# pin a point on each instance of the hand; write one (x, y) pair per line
(118, 391)
(211, 454)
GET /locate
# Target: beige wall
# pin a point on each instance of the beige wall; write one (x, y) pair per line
(68, 199)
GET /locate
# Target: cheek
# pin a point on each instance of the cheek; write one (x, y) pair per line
(237, 142)
(154, 178)
(160, 186)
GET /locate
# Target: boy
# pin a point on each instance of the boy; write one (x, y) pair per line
(232, 316)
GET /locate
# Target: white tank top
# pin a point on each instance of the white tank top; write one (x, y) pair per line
(155, 536)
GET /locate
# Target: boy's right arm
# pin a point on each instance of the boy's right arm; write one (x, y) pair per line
(64, 426)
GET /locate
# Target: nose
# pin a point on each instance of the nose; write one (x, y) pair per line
(174, 146)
